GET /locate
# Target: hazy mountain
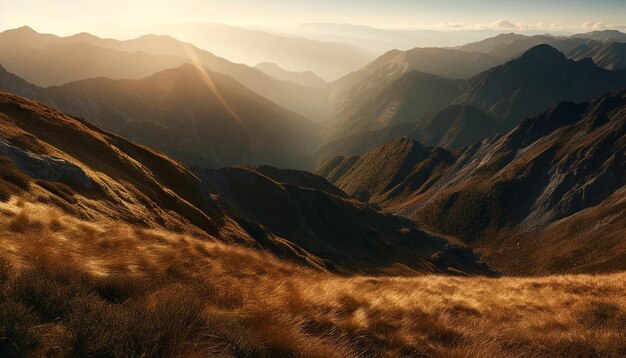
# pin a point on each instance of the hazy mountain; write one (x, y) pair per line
(53, 160)
(328, 59)
(45, 59)
(603, 36)
(201, 118)
(610, 56)
(382, 40)
(509, 46)
(306, 78)
(408, 98)
(534, 82)
(546, 197)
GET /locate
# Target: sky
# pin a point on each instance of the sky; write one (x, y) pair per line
(66, 17)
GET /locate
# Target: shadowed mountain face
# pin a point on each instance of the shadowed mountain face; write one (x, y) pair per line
(610, 56)
(409, 98)
(510, 93)
(46, 60)
(453, 127)
(201, 118)
(347, 234)
(48, 158)
(538, 79)
(361, 87)
(546, 197)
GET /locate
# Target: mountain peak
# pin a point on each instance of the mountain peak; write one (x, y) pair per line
(25, 30)
(542, 52)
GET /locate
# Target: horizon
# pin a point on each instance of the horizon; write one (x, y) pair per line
(118, 18)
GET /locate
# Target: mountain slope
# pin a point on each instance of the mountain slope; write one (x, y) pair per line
(533, 201)
(306, 78)
(347, 234)
(45, 59)
(539, 79)
(610, 56)
(362, 86)
(412, 96)
(453, 127)
(51, 161)
(199, 117)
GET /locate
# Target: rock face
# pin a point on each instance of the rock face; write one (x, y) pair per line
(296, 215)
(526, 199)
(46, 167)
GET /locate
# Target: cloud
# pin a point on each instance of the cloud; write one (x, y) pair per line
(501, 25)
(590, 25)
(504, 24)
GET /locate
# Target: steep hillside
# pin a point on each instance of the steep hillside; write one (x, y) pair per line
(412, 96)
(610, 56)
(50, 161)
(453, 127)
(347, 234)
(532, 83)
(45, 59)
(194, 115)
(546, 197)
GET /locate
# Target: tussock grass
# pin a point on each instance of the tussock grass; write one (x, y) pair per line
(77, 288)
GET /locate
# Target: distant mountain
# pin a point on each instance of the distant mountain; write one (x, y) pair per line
(381, 40)
(197, 116)
(453, 127)
(45, 59)
(408, 98)
(51, 160)
(306, 78)
(532, 83)
(510, 46)
(327, 58)
(610, 56)
(603, 36)
(546, 197)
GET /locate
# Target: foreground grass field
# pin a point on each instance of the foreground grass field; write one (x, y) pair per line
(70, 287)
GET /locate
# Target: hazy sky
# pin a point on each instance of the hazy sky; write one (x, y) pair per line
(71, 16)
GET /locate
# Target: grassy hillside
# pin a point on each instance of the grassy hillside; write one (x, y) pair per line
(69, 287)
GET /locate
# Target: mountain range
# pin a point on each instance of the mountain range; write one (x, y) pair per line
(544, 197)
(195, 115)
(68, 164)
(509, 93)
(45, 60)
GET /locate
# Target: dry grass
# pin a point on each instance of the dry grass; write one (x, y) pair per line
(77, 288)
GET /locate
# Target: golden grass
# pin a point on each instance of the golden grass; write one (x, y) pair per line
(108, 289)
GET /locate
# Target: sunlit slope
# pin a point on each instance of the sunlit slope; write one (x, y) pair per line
(79, 288)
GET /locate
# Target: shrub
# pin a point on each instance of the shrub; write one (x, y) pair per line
(17, 335)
